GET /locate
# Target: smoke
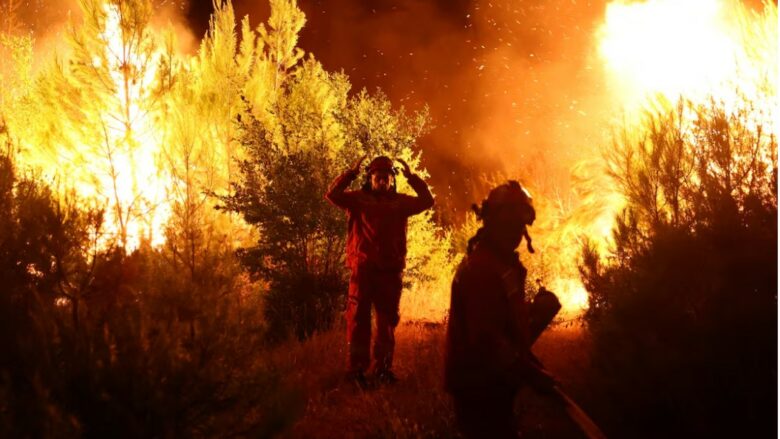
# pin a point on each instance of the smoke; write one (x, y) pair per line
(47, 22)
(513, 87)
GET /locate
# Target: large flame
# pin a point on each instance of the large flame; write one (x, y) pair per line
(690, 49)
(111, 155)
(696, 49)
(137, 188)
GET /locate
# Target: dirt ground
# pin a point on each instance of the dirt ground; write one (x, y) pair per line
(416, 406)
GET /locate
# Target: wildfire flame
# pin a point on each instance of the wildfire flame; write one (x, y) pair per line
(135, 180)
(111, 156)
(695, 48)
(692, 49)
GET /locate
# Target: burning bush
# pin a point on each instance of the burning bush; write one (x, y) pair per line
(684, 308)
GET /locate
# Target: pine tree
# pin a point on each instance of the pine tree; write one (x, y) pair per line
(96, 109)
(691, 278)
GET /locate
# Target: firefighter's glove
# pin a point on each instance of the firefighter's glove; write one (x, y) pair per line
(406, 170)
(354, 170)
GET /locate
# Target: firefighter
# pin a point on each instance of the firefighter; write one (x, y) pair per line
(487, 347)
(376, 255)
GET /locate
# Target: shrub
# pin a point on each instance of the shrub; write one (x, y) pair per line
(684, 308)
(102, 343)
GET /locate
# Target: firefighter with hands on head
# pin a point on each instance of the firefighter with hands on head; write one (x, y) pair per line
(376, 255)
(487, 355)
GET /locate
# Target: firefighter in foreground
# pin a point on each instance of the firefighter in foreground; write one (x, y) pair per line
(488, 335)
(376, 255)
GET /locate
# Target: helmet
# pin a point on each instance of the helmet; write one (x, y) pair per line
(381, 163)
(508, 194)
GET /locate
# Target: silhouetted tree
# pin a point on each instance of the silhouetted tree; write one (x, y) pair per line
(684, 307)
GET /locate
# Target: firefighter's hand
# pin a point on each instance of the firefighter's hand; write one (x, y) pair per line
(406, 170)
(355, 168)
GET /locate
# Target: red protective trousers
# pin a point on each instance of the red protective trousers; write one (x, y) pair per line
(369, 287)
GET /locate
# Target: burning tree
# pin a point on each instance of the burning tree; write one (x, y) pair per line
(147, 133)
(16, 55)
(683, 301)
(105, 331)
(94, 116)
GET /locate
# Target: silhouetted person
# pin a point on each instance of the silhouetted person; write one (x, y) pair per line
(376, 255)
(487, 348)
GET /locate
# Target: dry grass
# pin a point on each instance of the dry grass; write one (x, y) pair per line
(417, 406)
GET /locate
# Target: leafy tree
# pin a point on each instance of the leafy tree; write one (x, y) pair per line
(299, 131)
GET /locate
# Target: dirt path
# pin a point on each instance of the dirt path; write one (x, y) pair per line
(417, 405)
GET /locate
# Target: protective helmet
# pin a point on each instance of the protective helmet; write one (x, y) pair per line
(381, 163)
(506, 195)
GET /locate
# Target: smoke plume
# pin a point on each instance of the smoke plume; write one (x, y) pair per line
(513, 87)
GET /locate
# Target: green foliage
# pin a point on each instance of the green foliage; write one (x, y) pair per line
(302, 237)
(168, 340)
(300, 130)
(288, 169)
(684, 308)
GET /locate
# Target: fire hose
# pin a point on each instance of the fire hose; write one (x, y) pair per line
(543, 310)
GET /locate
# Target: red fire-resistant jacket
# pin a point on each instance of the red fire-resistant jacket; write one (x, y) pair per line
(487, 332)
(376, 234)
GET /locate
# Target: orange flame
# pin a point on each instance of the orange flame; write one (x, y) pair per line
(137, 181)
(696, 49)
(692, 49)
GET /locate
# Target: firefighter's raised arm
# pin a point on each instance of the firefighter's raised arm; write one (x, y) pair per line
(336, 193)
(424, 199)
